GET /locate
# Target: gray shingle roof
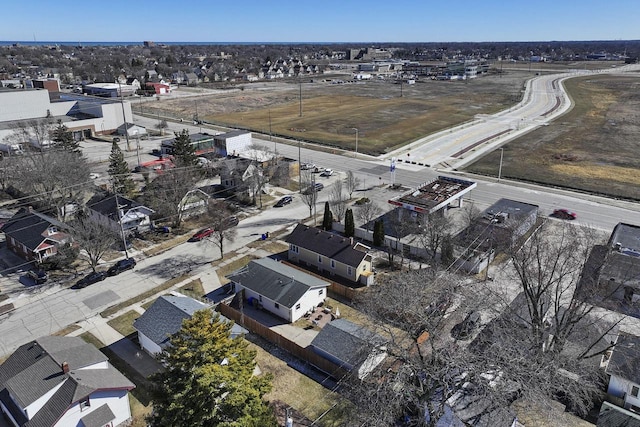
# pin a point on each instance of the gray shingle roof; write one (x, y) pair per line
(36, 368)
(27, 227)
(164, 317)
(107, 205)
(276, 281)
(99, 417)
(326, 244)
(347, 341)
(625, 360)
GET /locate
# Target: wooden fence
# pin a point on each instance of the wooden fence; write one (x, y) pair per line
(303, 353)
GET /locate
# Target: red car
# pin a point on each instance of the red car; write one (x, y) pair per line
(202, 234)
(564, 214)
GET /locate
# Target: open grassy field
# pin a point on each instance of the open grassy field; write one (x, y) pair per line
(594, 148)
(386, 114)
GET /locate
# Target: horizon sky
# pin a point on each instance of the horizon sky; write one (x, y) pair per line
(328, 21)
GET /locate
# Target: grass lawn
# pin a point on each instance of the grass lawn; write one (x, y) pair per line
(300, 392)
(192, 289)
(124, 322)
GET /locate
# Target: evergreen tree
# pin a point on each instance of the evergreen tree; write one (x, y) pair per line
(119, 172)
(378, 233)
(208, 379)
(184, 152)
(63, 137)
(327, 220)
(349, 224)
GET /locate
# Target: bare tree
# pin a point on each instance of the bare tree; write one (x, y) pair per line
(337, 201)
(8, 171)
(93, 237)
(432, 231)
(33, 133)
(219, 216)
(53, 178)
(351, 183)
(309, 194)
(165, 193)
(470, 213)
(367, 212)
(161, 126)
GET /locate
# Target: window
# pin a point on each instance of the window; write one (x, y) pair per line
(349, 271)
(84, 404)
(333, 264)
(260, 298)
(297, 306)
(319, 259)
(634, 391)
(293, 248)
(276, 305)
(321, 291)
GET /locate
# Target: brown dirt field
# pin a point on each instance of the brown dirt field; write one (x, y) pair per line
(384, 118)
(594, 148)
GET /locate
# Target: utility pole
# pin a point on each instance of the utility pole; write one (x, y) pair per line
(300, 98)
(356, 153)
(124, 117)
(124, 239)
(299, 168)
(500, 167)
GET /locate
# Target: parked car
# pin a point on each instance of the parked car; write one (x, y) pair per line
(90, 279)
(38, 276)
(202, 234)
(327, 173)
(318, 186)
(231, 221)
(564, 214)
(306, 166)
(283, 201)
(120, 266)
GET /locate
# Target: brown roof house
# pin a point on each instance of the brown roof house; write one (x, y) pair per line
(331, 253)
(62, 381)
(34, 236)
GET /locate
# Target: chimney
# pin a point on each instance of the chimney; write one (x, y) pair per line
(65, 368)
(351, 240)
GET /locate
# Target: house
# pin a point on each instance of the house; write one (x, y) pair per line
(62, 381)
(499, 227)
(34, 236)
(159, 87)
(278, 288)
(132, 130)
(350, 346)
(619, 277)
(120, 214)
(232, 143)
(231, 172)
(613, 416)
(164, 318)
(623, 367)
(194, 203)
(329, 252)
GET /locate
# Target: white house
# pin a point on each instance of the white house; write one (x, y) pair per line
(113, 211)
(278, 288)
(164, 318)
(622, 366)
(60, 382)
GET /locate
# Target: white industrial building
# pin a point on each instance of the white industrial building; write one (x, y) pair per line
(83, 115)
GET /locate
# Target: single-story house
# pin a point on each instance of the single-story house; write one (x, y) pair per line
(350, 346)
(62, 381)
(133, 131)
(623, 368)
(34, 236)
(116, 211)
(278, 288)
(164, 318)
(332, 253)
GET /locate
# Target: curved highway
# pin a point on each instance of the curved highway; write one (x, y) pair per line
(544, 100)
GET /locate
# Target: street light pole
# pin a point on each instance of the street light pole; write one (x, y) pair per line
(356, 154)
(124, 117)
(500, 168)
(299, 168)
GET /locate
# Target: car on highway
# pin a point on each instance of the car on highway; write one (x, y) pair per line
(120, 266)
(564, 214)
(202, 234)
(90, 279)
(327, 173)
(38, 276)
(283, 201)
